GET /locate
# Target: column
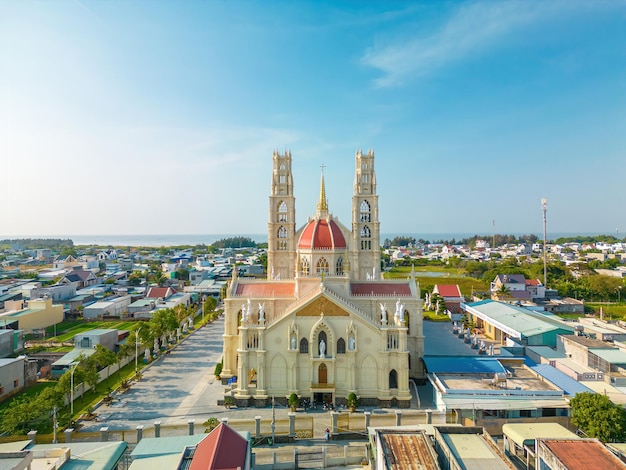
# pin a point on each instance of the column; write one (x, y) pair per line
(68, 434)
(398, 418)
(139, 433)
(157, 429)
(367, 415)
(292, 424)
(104, 434)
(257, 420)
(334, 415)
(191, 423)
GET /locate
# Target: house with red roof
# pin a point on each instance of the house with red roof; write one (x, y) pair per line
(223, 449)
(452, 297)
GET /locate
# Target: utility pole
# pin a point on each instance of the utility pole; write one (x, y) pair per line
(544, 207)
(54, 425)
(493, 234)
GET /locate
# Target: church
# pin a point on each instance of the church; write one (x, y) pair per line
(324, 323)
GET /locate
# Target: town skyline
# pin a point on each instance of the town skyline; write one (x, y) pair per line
(144, 118)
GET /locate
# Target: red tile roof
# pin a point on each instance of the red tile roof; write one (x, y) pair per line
(160, 292)
(533, 282)
(582, 454)
(266, 289)
(448, 290)
(380, 288)
(222, 449)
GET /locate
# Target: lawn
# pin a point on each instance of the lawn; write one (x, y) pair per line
(467, 284)
(28, 393)
(610, 311)
(68, 329)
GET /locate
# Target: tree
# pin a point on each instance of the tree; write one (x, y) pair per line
(597, 416)
(104, 358)
(209, 307)
(159, 278)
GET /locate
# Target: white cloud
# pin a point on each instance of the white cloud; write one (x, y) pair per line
(471, 29)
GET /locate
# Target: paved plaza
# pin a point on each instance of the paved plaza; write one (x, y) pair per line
(180, 386)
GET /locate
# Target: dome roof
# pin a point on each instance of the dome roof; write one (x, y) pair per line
(322, 234)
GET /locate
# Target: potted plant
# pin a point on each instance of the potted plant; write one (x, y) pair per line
(353, 401)
(228, 402)
(294, 401)
(218, 370)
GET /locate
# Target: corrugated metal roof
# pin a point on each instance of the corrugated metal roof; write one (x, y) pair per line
(561, 380)
(583, 454)
(526, 433)
(406, 450)
(467, 402)
(154, 446)
(98, 455)
(463, 365)
(613, 356)
(516, 319)
(472, 452)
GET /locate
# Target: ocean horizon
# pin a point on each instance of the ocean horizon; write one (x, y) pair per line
(153, 240)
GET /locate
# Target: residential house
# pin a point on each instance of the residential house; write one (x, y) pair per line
(34, 314)
(81, 277)
(64, 262)
(452, 297)
(107, 255)
(109, 307)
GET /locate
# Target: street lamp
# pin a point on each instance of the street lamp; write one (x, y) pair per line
(72, 370)
(619, 294)
(544, 207)
(136, 348)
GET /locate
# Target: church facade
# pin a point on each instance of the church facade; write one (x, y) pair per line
(324, 323)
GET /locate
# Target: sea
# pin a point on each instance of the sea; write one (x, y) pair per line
(208, 239)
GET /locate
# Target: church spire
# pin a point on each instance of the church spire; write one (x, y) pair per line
(322, 205)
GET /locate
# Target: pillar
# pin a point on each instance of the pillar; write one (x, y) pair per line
(224, 420)
(292, 424)
(334, 416)
(367, 415)
(68, 434)
(157, 429)
(191, 423)
(429, 416)
(398, 418)
(104, 434)
(324, 456)
(139, 433)
(257, 419)
(32, 436)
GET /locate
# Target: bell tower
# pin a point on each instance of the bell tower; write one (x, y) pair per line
(281, 228)
(365, 225)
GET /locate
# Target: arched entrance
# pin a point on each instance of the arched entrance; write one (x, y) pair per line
(322, 374)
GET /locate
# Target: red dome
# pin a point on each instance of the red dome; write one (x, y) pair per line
(322, 234)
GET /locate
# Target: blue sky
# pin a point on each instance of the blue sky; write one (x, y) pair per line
(161, 117)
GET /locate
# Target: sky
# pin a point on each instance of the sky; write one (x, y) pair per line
(161, 117)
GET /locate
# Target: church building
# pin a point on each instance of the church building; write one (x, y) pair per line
(324, 323)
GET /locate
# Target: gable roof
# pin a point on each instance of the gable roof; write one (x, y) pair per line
(511, 279)
(160, 292)
(224, 448)
(79, 276)
(448, 290)
(380, 288)
(533, 282)
(266, 289)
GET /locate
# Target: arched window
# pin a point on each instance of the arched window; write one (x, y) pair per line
(322, 337)
(341, 346)
(304, 346)
(322, 266)
(393, 379)
(306, 267)
(339, 267)
(366, 243)
(365, 212)
(282, 212)
(282, 235)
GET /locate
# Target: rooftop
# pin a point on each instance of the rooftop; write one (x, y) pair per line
(582, 454)
(405, 450)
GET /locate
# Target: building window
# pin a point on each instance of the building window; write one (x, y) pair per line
(282, 179)
(341, 346)
(85, 343)
(16, 383)
(365, 178)
(282, 235)
(365, 212)
(393, 379)
(304, 346)
(306, 267)
(339, 267)
(322, 267)
(366, 233)
(282, 212)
